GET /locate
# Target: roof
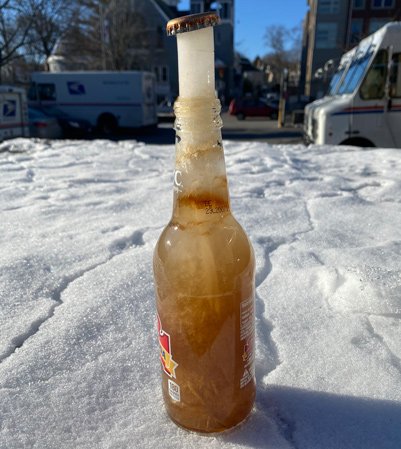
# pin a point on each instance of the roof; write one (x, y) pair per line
(167, 11)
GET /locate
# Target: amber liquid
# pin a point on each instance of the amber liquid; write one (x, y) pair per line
(204, 274)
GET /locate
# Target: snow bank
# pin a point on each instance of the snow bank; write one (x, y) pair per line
(79, 365)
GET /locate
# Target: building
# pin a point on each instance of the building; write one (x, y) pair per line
(332, 27)
(367, 16)
(325, 28)
(159, 55)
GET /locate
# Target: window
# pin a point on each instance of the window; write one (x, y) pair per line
(32, 92)
(225, 11)
(157, 73)
(218, 36)
(335, 81)
(328, 6)
(358, 4)
(379, 4)
(164, 74)
(47, 92)
(395, 76)
(355, 73)
(196, 7)
(375, 24)
(356, 31)
(326, 35)
(373, 85)
(161, 73)
(160, 36)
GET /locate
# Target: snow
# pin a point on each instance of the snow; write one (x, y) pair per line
(79, 364)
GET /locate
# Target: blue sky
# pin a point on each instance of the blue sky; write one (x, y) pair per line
(253, 16)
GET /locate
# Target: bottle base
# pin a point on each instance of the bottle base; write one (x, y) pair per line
(218, 431)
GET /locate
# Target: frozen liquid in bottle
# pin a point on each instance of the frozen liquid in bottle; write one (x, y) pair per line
(204, 271)
(204, 276)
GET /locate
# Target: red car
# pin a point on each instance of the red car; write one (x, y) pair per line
(249, 107)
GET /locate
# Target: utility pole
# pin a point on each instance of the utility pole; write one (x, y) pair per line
(283, 98)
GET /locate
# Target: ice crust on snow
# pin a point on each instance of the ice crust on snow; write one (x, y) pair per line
(79, 364)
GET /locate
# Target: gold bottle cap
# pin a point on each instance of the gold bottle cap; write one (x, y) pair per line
(192, 23)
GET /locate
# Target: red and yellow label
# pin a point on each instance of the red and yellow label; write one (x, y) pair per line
(166, 358)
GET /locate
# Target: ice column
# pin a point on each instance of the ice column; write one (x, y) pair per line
(196, 63)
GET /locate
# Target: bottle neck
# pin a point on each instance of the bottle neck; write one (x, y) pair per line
(200, 181)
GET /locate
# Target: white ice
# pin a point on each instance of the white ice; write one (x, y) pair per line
(79, 365)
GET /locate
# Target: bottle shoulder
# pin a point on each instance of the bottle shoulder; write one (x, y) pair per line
(227, 228)
(224, 242)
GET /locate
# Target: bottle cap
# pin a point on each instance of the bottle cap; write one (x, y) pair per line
(192, 22)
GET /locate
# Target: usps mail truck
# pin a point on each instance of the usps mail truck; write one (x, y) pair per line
(363, 103)
(108, 100)
(13, 113)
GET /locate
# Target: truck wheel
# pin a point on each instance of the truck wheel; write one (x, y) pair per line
(358, 142)
(107, 124)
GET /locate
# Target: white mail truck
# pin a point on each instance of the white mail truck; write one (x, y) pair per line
(108, 100)
(363, 103)
(13, 113)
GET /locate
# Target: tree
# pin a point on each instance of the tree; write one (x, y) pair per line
(13, 33)
(109, 34)
(126, 37)
(48, 22)
(285, 49)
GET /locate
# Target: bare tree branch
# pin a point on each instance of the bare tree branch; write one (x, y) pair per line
(12, 34)
(49, 21)
(284, 46)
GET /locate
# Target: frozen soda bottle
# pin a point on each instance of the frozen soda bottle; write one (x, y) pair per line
(203, 261)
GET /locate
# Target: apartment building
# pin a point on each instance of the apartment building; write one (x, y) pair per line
(367, 16)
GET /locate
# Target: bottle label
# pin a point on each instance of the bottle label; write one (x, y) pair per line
(166, 357)
(247, 335)
(174, 391)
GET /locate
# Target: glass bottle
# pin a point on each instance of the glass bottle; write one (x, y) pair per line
(203, 261)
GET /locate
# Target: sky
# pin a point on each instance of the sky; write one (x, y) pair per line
(253, 16)
(79, 356)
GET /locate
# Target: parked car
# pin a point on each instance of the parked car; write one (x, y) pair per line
(249, 107)
(41, 125)
(273, 103)
(272, 96)
(71, 126)
(298, 105)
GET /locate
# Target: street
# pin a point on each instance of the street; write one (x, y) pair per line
(259, 129)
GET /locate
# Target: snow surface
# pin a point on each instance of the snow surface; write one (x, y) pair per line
(78, 224)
